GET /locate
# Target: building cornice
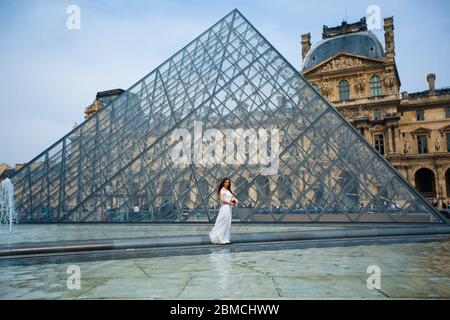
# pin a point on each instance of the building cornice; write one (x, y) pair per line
(378, 63)
(424, 101)
(366, 102)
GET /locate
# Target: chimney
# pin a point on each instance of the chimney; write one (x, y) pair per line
(306, 44)
(389, 37)
(431, 78)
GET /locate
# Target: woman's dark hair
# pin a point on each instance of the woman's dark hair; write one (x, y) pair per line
(222, 183)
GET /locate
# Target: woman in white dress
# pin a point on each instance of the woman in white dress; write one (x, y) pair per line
(220, 234)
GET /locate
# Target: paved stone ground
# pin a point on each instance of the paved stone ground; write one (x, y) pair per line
(408, 271)
(60, 232)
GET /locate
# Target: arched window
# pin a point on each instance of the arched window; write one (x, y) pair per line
(375, 86)
(426, 182)
(344, 90)
(316, 86)
(447, 182)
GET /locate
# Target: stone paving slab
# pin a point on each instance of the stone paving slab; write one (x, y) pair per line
(408, 271)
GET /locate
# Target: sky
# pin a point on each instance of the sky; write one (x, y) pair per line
(50, 73)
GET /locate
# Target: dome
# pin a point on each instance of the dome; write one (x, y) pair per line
(361, 43)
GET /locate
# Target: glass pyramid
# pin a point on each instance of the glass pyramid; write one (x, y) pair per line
(240, 110)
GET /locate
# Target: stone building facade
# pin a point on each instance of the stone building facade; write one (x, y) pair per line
(359, 77)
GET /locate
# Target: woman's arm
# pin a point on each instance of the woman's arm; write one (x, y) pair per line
(223, 201)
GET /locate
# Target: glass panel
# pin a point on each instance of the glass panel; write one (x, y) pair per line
(420, 115)
(447, 137)
(377, 114)
(379, 143)
(375, 86)
(422, 144)
(447, 112)
(344, 90)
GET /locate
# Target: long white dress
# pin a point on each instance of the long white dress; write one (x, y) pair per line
(220, 234)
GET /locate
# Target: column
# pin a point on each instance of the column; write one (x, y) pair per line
(409, 175)
(440, 184)
(444, 187)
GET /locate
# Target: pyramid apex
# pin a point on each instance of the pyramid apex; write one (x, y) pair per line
(235, 10)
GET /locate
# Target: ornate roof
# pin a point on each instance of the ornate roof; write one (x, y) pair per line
(108, 93)
(363, 43)
(344, 28)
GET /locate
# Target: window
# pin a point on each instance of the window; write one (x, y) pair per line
(344, 90)
(316, 86)
(447, 138)
(447, 112)
(422, 143)
(420, 115)
(375, 86)
(378, 140)
(377, 114)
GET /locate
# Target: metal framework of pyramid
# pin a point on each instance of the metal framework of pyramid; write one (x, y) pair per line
(230, 77)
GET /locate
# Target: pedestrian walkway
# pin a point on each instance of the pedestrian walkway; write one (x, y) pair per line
(408, 271)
